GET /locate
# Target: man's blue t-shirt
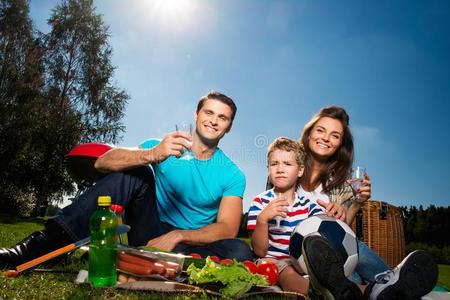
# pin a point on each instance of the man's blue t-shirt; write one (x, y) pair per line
(189, 191)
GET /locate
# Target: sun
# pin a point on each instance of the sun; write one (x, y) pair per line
(172, 13)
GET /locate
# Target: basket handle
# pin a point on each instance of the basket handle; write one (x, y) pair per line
(384, 207)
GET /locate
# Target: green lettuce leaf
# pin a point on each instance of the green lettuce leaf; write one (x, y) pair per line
(235, 278)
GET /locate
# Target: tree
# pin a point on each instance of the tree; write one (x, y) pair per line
(79, 67)
(21, 82)
(56, 91)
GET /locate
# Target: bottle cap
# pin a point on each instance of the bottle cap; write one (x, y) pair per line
(104, 200)
(117, 208)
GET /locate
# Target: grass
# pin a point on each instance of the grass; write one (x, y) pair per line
(444, 276)
(36, 285)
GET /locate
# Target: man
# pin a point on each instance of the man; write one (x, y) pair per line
(188, 205)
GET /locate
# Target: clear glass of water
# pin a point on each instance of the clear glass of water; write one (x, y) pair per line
(278, 219)
(185, 127)
(355, 182)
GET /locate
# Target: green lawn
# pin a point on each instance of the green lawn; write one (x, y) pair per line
(36, 285)
(444, 276)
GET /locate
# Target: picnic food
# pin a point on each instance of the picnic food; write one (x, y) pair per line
(269, 270)
(141, 265)
(195, 255)
(235, 277)
(226, 262)
(251, 267)
(215, 258)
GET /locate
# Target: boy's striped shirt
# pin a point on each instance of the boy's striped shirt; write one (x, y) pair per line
(279, 239)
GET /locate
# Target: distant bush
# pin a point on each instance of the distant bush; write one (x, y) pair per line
(440, 254)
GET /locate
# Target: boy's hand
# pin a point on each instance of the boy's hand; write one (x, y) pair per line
(172, 144)
(276, 207)
(333, 209)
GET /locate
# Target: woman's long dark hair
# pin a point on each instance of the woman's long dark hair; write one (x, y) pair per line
(338, 166)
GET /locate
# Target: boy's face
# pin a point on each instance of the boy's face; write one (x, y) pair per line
(283, 169)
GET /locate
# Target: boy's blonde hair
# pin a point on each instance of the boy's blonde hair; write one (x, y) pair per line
(287, 144)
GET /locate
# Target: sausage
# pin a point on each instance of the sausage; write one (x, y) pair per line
(134, 268)
(173, 265)
(135, 259)
(159, 268)
(170, 273)
(147, 265)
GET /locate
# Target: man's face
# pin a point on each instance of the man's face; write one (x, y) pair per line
(213, 120)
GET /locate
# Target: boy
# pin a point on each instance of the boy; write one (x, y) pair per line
(284, 206)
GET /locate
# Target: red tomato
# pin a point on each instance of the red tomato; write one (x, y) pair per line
(195, 255)
(215, 259)
(270, 270)
(251, 267)
(226, 262)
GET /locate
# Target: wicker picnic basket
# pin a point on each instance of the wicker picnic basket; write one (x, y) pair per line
(381, 226)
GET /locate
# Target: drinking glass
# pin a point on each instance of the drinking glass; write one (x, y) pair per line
(355, 182)
(278, 219)
(186, 127)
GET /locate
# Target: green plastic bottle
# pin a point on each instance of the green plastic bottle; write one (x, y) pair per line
(103, 247)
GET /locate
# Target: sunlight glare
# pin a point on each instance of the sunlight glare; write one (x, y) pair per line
(172, 13)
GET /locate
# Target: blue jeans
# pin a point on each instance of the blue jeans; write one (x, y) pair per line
(135, 191)
(369, 265)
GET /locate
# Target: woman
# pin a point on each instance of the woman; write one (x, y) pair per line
(328, 144)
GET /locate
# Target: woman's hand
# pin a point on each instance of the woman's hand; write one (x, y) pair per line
(333, 209)
(364, 192)
(276, 207)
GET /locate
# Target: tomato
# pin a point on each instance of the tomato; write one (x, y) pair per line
(215, 259)
(195, 255)
(226, 262)
(270, 270)
(251, 267)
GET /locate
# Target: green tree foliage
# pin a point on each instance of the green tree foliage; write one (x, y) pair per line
(428, 229)
(56, 91)
(430, 225)
(78, 61)
(21, 102)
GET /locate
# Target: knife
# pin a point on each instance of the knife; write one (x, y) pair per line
(121, 229)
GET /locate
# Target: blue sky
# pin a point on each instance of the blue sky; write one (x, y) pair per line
(386, 62)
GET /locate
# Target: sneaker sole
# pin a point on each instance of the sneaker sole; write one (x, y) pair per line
(326, 271)
(418, 276)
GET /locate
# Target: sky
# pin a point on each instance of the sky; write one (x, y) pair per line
(386, 62)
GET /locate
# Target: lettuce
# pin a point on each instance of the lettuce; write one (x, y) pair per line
(235, 278)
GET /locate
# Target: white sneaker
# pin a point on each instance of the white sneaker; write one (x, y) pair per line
(413, 278)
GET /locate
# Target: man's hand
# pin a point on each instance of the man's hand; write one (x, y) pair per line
(166, 242)
(333, 209)
(277, 207)
(172, 144)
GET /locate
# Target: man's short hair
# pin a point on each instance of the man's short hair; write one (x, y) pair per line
(214, 95)
(287, 144)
